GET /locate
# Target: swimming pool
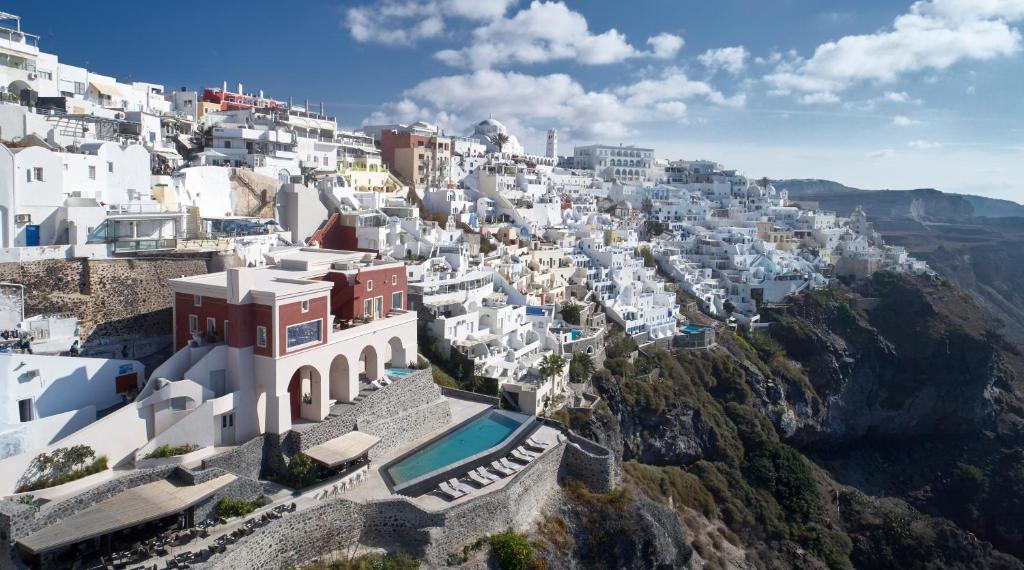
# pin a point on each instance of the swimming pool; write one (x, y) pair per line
(470, 439)
(398, 372)
(692, 329)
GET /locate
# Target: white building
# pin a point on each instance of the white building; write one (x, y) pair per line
(46, 398)
(616, 163)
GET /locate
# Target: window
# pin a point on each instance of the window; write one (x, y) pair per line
(193, 323)
(211, 325)
(227, 420)
(227, 144)
(197, 300)
(368, 308)
(261, 337)
(179, 404)
(25, 410)
(92, 172)
(396, 301)
(36, 174)
(110, 166)
(79, 88)
(305, 306)
(394, 279)
(304, 334)
(369, 285)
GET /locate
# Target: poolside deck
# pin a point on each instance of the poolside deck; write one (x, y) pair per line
(436, 502)
(374, 487)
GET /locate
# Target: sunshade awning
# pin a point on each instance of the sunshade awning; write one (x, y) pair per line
(342, 449)
(133, 507)
(107, 89)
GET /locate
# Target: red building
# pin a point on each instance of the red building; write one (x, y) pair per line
(298, 335)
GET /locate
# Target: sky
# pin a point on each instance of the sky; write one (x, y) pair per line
(874, 93)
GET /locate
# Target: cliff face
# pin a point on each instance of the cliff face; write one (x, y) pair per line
(847, 437)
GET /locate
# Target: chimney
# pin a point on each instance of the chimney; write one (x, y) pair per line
(261, 93)
(322, 109)
(307, 105)
(240, 92)
(224, 86)
(239, 284)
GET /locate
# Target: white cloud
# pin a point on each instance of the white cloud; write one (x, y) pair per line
(665, 45)
(549, 31)
(897, 97)
(555, 100)
(730, 59)
(924, 145)
(819, 98)
(904, 121)
(883, 153)
(405, 22)
(932, 36)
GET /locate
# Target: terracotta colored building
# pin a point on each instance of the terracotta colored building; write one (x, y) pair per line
(292, 339)
(417, 154)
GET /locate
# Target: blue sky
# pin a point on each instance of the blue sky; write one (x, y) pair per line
(876, 94)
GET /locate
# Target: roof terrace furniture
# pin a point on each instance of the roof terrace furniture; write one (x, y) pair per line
(447, 489)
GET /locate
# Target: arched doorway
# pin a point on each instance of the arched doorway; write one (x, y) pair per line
(369, 367)
(398, 356)
(305, 382)
(342, 386)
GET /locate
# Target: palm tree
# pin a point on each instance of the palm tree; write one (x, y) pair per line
(551, 365)
(499, 140)
(581, 367)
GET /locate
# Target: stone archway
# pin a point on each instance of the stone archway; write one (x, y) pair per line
(369, 363)
(399, 359)
(305, 381)
(344, 385)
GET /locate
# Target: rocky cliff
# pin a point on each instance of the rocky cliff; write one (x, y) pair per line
(888, 437)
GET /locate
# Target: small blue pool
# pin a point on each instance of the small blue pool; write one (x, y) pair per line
(398, 372)
(465, 441)
(576, 334)
(692, 329)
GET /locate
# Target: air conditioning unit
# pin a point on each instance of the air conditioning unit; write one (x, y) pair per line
(119, 116)
(32, 76)
(23, 218)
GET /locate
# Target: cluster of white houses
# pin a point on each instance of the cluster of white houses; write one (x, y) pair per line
(375, 246)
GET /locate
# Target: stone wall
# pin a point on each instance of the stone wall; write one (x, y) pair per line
(396, 430)
(118, 301)
(414, 392)
(339, 524)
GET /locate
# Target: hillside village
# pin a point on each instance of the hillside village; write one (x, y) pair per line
(376, 290)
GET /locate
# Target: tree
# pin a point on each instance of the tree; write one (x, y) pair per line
(499, 140)
(552, 365)
(571, 312)
(581, 367)
(513, 550)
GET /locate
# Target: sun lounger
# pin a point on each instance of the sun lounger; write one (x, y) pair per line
(510, 465)
(537, 444)
(487, 474)
(376, 385)
(447, 489)
(502, 469)
(479, 479)
(456, 484)
(528, 452)
(385, 381)
(519, 456)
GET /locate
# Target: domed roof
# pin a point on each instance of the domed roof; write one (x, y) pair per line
(489, 122)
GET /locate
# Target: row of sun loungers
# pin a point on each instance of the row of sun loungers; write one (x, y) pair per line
(519, 458)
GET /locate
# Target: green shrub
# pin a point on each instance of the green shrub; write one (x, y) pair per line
(166, 450)
(229, 508)
(63, 465)
(512, 550)
(301, 472)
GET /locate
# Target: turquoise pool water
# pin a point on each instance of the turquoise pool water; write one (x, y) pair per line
(474, 437)
(398, 372)
(691, 329)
